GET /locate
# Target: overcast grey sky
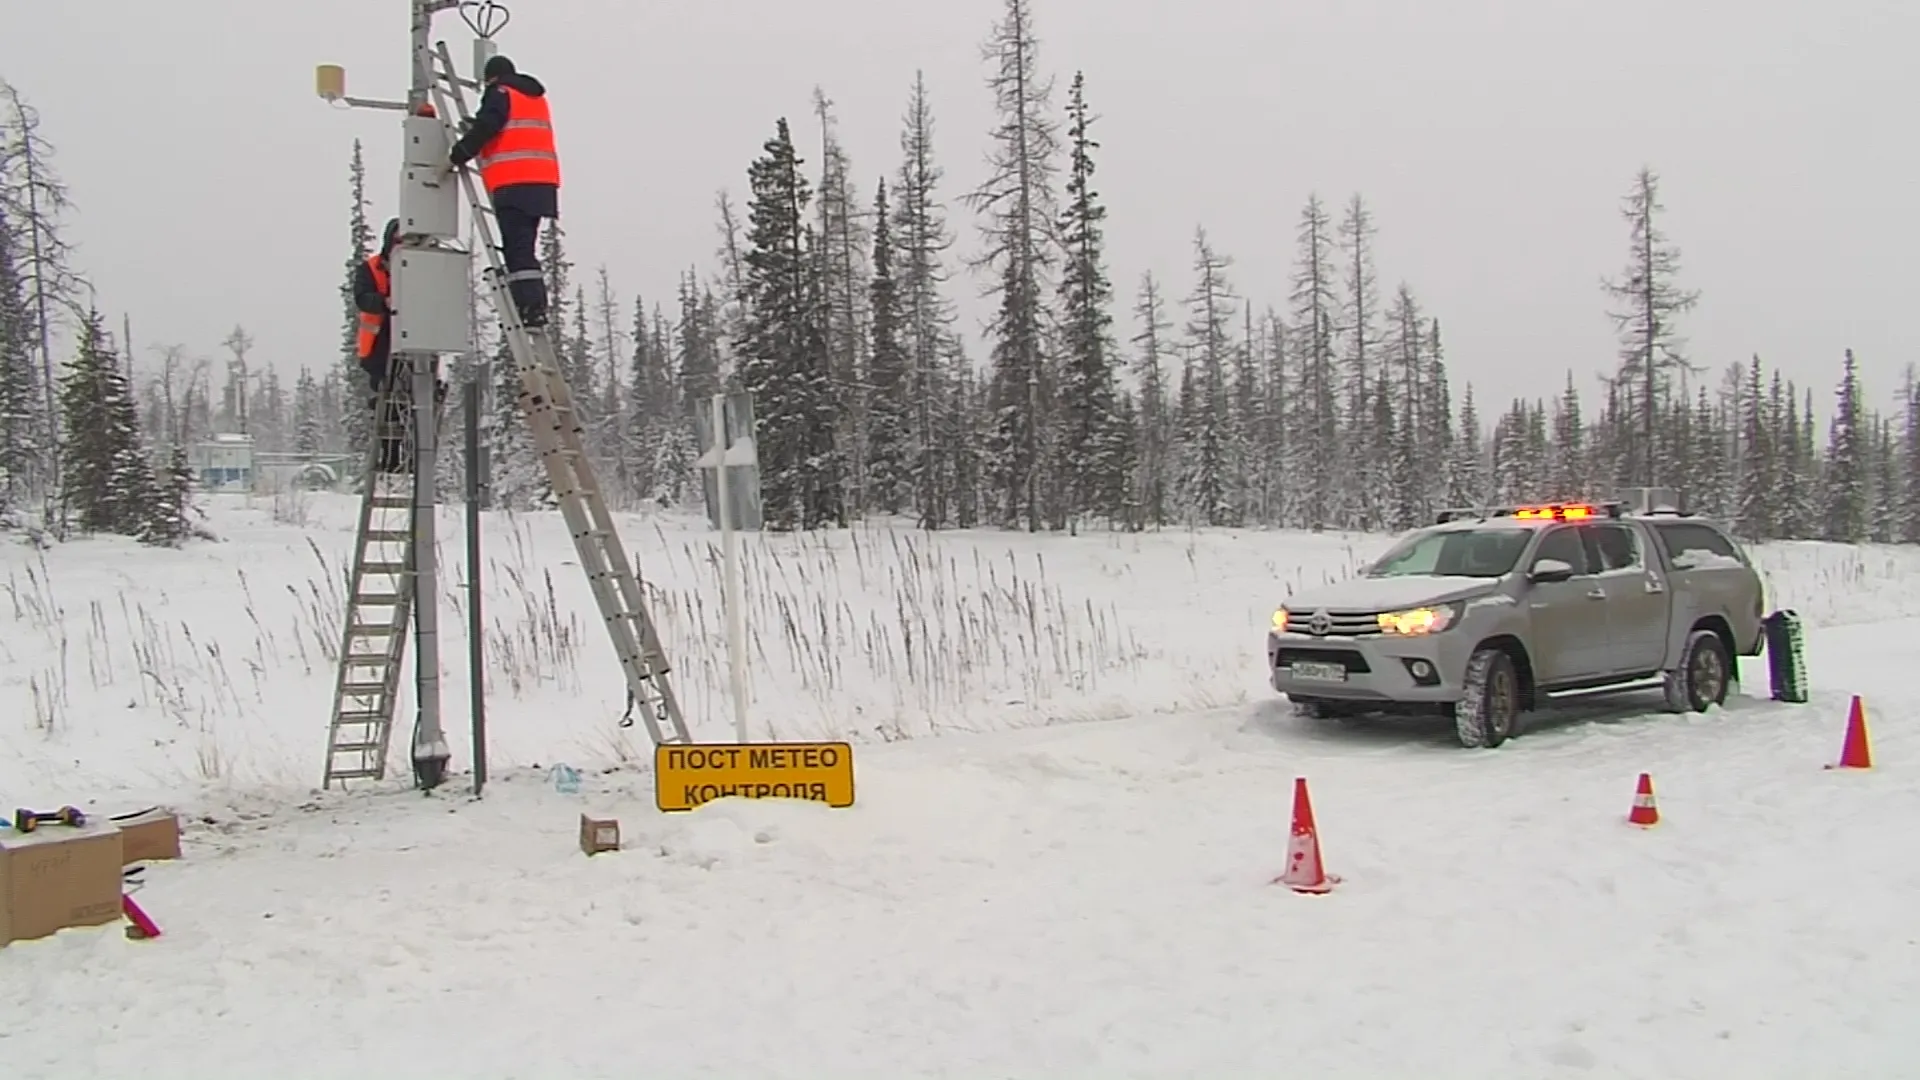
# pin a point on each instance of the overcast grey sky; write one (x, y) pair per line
(1494, 139)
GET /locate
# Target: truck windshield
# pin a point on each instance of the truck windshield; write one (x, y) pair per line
(1481, 553)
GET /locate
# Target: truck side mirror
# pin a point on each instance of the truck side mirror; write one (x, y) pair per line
(1549, 570)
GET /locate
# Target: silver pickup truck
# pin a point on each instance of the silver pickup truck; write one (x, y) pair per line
(1485, 616)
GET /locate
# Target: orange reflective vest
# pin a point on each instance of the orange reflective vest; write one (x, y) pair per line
(371, 324)
(523, 151)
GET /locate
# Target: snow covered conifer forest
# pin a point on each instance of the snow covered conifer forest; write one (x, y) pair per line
(1085, 404)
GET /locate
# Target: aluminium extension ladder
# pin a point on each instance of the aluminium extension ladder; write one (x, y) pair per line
(547, 402)
(380, 593)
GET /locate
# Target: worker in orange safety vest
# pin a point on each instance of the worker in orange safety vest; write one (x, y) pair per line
(373, 295)
(373, 346)
(511, 141)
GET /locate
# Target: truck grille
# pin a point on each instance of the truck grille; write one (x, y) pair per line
(1341, 623)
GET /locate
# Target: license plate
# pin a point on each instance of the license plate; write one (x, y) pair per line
(1319, 672)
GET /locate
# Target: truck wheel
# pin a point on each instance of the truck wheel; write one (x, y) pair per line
(1703, 676)
(1489, 700)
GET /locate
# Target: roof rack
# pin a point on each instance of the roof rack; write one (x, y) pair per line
(1656, 502)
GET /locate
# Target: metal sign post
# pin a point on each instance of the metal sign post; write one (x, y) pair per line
(727, 434)
(476, 625)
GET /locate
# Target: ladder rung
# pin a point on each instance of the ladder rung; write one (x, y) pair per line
(367, 659)
(383, 568)
(354, 747)
(372, 629)
(387, 536)
(363, 689)
(358, 716)
(378, 599)
(392, 502)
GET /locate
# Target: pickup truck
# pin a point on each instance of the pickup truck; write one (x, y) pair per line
(1486, 616)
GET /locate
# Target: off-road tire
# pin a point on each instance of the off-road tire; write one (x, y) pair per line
(1488, 711)
(1704, 676)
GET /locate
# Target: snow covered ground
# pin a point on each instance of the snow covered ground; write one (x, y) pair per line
(1083, 899)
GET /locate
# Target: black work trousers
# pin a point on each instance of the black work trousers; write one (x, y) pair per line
(391, 426)
(519, 208)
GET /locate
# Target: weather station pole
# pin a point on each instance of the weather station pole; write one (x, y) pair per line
(430, 312)
(430, 752)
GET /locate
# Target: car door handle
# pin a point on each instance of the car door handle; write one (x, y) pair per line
(1656, 587)
(1597, 594)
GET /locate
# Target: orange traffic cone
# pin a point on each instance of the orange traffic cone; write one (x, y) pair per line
(1305, 872)
(1856, 754)
(1644, 813)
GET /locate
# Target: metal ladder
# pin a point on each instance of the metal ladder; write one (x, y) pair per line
(547, 402)
(380, 594)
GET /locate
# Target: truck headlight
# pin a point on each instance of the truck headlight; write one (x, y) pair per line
(1280, 621)
(1426, 620)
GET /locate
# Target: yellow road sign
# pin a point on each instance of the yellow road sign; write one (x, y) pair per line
(686, 776)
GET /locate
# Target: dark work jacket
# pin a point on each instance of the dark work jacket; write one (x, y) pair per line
(367, 298)
(532, 200)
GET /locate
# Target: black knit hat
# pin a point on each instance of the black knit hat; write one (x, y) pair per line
(498, 67)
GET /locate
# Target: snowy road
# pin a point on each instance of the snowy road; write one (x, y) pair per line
(1081, 901)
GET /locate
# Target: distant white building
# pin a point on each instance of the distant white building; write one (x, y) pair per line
(223, 463)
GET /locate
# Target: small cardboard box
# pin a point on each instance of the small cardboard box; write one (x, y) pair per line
(599, 834)
(149, 836)
(58, 876)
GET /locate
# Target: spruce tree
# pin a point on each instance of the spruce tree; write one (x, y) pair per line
(1437, 438)
(1091, 439)
(172, 518)
(787, 368)
(308, 430)
(840, 238)
(1314, 419)
(1910, 514)
(558, 271)
(890, 380)
(1848, 448)
(1469, 469)
(518, 478)
(1792, 501)
(108, 485)
(1280, 493)
(920, 239)
(1403, 383)
(1361, 475)
(1755, 513)
(1016, 203)
(1210, 311)
(1154, 488)
(649, 409)
(576, 361)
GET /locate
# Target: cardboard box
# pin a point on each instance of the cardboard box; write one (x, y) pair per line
(599, 834)
(149, 836)
(58, 876)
